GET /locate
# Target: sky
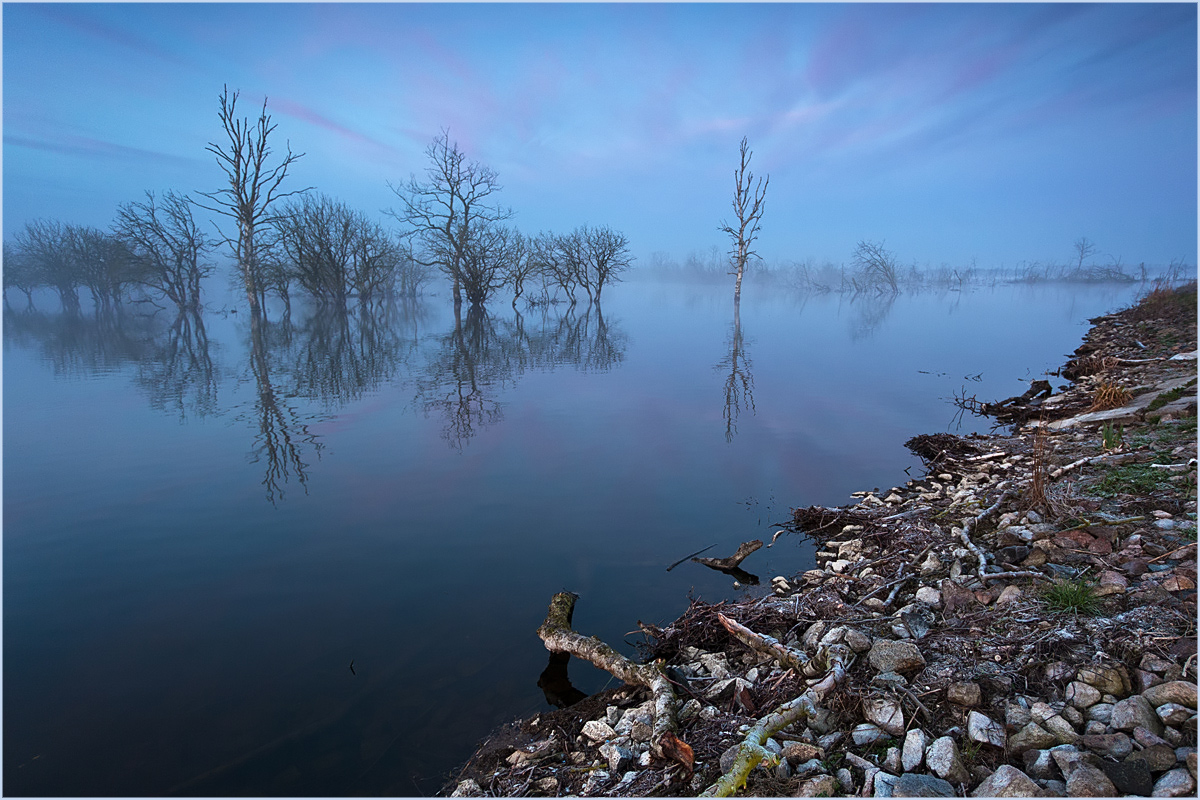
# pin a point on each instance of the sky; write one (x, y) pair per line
(950, 132)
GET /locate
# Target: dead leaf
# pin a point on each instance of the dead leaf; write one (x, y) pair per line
(678, 751)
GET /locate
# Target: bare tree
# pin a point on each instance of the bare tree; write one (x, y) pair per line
(167, 246)
(19, 273)
(876, 267)
(487, 258)
(607, 254)
(253, 186)
(1084, 247)
(45, 246)
(447, 209)
(748, 206)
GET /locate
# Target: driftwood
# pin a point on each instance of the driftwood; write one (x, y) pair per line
(557, 635)
(732, 562)
(753, 750)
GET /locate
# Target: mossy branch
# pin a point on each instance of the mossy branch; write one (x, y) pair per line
(557, 635)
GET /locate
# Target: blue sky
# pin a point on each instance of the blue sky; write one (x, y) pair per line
(952, 132)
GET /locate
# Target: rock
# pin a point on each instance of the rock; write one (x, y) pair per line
(857, 641)
(917, 786)
(1158, 757)
(1101, 712)
(1110, 582)
(985, 730)
(1190, 760)
(690, 709)
(1072, 715)
(1130, 777)
(913, 751)
(820, 786)
(1143, 680)
(929, 596)
(964, 693)
(1180, 692)
(931, 565)
(1053, 788)
(845, 779)
(1082, 695)
(1089, 781)
(891, 760)
(807, 768)
(943, 759)
(728, 757)
(547, 786)
(887, 655)
(1173, 713)
(1134, 712)
(1146, 738)
(866, 733)
(1111, 745)
(1016, 716)
(467, 788)
(797, 752)
(955, 596)
(595, 782)
(1109, 680)
(598, 731)
(1031, 737)
(1062, 730)
(1057, 671)
(1040, 764)
(1011, 594)
(1093, 728)
(1069, 758)
(783, 770)
(1007, 781)
(1176, 783)
(618, 758)
(886, 714)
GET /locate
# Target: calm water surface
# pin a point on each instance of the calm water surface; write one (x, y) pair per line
(206, 521)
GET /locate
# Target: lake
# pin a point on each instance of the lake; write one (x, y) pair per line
(207, 521)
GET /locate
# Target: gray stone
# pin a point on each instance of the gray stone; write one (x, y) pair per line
(1089, 781)
(919, 786)
(1190, 760)
(598, 731)
(858, 641)
(1135, 712)
(809, 767)
(913, 752)
(845, 779)
(618, 758)
(866, 733)
(1108, 680)
(1040, 764)
(1016, 716)
(1061, 729)
(728, 757)
(1176, 783)
(1146, 738)
(985, 730)
(965, 693)
(1072, 715)
(1082, 695)
(1101, 712)
(929, 596)
(595, 781)
(887, 655)
(1159, 757)
(889, 680)
(1110, 745)
(1173, 713)
(1181, 692)
(1093, 728)
(783, 770)
(468, 788)
(820, 786)
(891, 760)
(690, 709)
(1007, 781)
(886, 714)
(943, 759)
(1052, 788)
(1069, 758)
(1130, 777)
(1031, 737)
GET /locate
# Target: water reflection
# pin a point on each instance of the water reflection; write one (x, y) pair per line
(555, 683)
(739, 385)
(74, 344)
(177, 371)
(482, 355)
(869, 310)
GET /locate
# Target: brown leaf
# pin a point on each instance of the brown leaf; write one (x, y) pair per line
(678, 751)
(743, 698)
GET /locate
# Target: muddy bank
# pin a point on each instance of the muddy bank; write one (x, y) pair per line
(1021, 621)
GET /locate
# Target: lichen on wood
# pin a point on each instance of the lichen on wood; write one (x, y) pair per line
(558, 636)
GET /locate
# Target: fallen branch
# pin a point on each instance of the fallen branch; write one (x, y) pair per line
(745, 549)
(685, 558)
(753, 751)
(767, 645)
(964, 533)
(1111, 458)
(557, 635)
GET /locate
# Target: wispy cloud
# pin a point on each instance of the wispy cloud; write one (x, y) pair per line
(88, 147)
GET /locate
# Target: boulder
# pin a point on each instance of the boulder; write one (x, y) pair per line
(618, 758)
(1040, 765)
(1173, 713)
(886, 714)
(1031, 737)
(1176, 783)
(1181, 692)
(866, 733)
(1130, 777)
(985, 730)
(913, 751)
(1134, 712)
(1109, 680)
(964, 693)
(1158, 757)
(1007, 781)
(888, 655)
(944, 760)
(1109, 745)
(914, 786)
(1082, 695)
(929, 596)
(820, 786)
(1089, 781)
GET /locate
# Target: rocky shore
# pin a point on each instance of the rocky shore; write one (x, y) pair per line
(1020, 622)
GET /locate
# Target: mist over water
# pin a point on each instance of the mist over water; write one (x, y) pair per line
(208, 519)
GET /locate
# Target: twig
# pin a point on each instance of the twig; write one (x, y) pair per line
(1173, 552)
(992, 576)
(920, 705)
(912, 512)
(685, 558)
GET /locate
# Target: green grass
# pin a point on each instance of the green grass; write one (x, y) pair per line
(1072, 597)
(1169, 397)
(1112, 436)
(1139, 479)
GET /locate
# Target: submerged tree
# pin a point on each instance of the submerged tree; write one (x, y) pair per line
(606, 254)
(449, 212)
(876, 267)
(748, 206)
(167, 247)
(254, 180)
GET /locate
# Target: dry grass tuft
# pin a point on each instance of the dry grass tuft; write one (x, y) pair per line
(1109, 395)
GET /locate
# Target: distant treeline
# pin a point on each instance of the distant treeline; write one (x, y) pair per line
(875, 269)
(301, 240)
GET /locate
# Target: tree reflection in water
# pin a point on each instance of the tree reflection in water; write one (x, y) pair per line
(739, 386)
(178, 372)
(482, 355)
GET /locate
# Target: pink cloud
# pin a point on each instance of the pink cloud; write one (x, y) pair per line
(306, 114)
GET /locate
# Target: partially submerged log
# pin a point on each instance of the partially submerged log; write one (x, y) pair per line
(557, 635)
(732, 562)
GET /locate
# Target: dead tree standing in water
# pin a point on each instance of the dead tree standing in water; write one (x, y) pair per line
(253, 186)
(748, 201)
